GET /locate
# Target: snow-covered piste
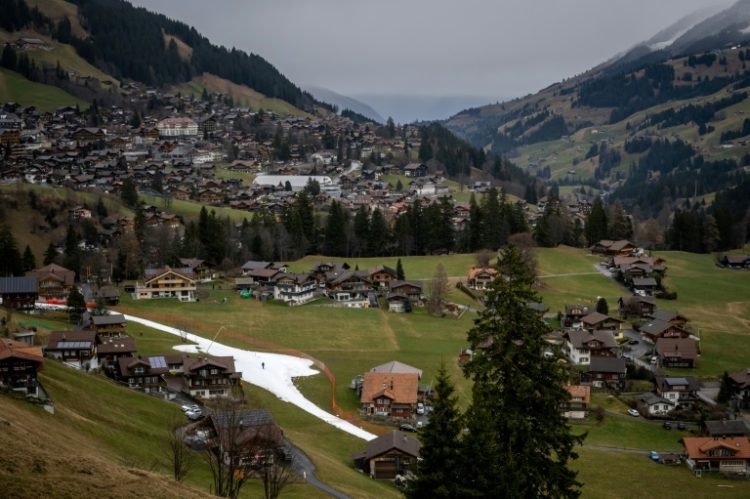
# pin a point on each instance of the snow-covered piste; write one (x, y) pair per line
(270, 371)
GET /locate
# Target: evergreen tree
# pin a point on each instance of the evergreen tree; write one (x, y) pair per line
(50, 255)
(335, 233)
(596, 223)
(711, 234)
(518, 442)
(378, 236)
(620, 226)
(475, 225)
(361, 228)
(72, 260)
(129, 192)
(11, 263)
(76, 305)
(727, 389)
(139, 223)
(400, 271)
(437, 473)
(28, 259)
(602, 306)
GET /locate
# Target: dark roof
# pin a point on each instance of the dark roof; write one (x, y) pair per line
(384, 443)
(252, 265)
(668, 315)
(250, 417)
(18, 285)
(677, 347)
(667, 383)
(650, 398)
(644, 281)
(117, 345)
(107, 320)
(580, 338)
(71, 340)
(108, 292)
(397, 284)
(727, 427)
(608, 365)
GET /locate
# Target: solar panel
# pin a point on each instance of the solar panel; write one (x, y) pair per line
(74, 344)
(157, 362)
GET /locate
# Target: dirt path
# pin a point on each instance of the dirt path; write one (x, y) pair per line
(571, 274)
(390, 334)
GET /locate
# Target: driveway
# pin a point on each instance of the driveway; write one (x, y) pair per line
(306, 469)
(641, 349)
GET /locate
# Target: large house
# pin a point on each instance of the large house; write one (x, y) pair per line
(144, 373)
(582, 345)
(110, 350)
(55, 282)
(676, 352)
(681, 391)
(381, 276)
(656, 329)
(210, 377)
(75, 348)
(613, 248)
(177, 127)
(410, 289)
(109, 326)
(294, 289)
(637, 306)
(167, 283)
(19, 293)
(481, 277)
(730, 455)
(388, 455)
(578, 405)
(651, 404)
(574, 313)
(19, 365)
(389, 394)
(606, 371)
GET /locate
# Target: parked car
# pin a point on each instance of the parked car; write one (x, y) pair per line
(633, 342)
(194, 415)
(193, 407)
(420, 424)
(420, 408)
(680, 425)
(654, 359)
(407, 427)
(634, 412)
(667, 425)
(654, 456)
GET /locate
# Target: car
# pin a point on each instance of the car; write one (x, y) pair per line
(420, 424)
(420, 408)
(667, 425)
(194, 415)
(654, 359)
(654, 456)
(185, 408)
(634, 412)
(680, 425)
(407, 427)
(633, 342)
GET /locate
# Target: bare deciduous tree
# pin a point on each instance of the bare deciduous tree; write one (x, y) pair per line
(179, 455)
(438, 290)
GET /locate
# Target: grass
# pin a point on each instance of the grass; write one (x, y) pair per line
(191, 210)
(16, 88)
(69, 60)
(415, 267)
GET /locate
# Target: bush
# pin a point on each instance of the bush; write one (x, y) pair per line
(666, 295)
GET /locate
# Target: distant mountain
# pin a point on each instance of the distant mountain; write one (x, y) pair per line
(410, 108)
(343, 102)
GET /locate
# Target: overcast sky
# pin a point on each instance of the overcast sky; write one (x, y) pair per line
(489, 48)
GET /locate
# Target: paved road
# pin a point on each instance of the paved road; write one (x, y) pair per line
(306, 468)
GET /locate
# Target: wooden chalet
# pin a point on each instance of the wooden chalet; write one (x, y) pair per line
(389, 394)
(144, 373)
(19, 365)
(614, 248)
(728, 455)
(578, 405)
(55, 282)
(75, 348)
(480, 277)
(606, 371)
(167, 283)
(20, 293)
(388, 455)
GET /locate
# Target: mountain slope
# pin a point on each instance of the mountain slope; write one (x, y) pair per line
(16, 88)
(343, 102)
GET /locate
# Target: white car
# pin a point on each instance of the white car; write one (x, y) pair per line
(634, 413)
(193, 415)
(420, 408)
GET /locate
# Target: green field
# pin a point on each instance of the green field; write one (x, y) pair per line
(191, 209)
(16, 88)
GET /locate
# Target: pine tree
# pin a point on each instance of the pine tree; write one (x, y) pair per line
(129, 192)
(620, 226)
(378, 235)
(596, 223)
(11, 263)
(400, 271)
(76, 305)
(437, 473)
(50, 255)
(72, 260)
(518, 443)
(727, 389)
(335, 233)
(28, 259)
(602, 306)
(361, 228)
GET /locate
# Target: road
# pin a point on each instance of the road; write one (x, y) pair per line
(306, 469)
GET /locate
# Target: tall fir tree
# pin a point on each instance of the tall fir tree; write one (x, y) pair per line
(72, 260)
(50, 254)
(336, 231)
(596, 223)
(28, 259)
(518, 443)
(400, 271)
(10, 259)
(378, 237)
(437, 473)
(76, 305)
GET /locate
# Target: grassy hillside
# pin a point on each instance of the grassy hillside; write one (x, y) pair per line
(242, 94)
(59, 9)
(16, 88)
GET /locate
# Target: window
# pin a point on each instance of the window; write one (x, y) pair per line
(138, 370)
(214, 371)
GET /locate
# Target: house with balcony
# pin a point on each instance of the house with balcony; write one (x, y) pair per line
(582, 345)
(606, 372)
(728, 455)
(480, 278)
(210, 377)
(144, 373)
(167, 283)
(578, 405)
(75, 348)
(681, 391)
(19, 365)
(389, 394)
(294, 289)
(55, 282)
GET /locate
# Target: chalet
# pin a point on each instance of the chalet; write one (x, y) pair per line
(735, 261)
(651, 404)
(75, 348)
(395, 366)
(251, 265)
(167, 283)
(84, 136)
(581, 346)
(574, 313)
(656, 329)
(614, 248)
(55, 282)
(411, 289)
(578, 405)
(109, 326)
(481, 277)
(79, 213)
(199, 268)
(109, 351)
(389, 394)
(415, 170)
(19, 293)
(349, 285)
(680, 391)
(606, 372)
(670, 316)
(630, 264)
(647, 285)
(210, 377)
(727, 428)
(637, 306)
(381, 275)
(398, 303)
(294, 289)
(596, 321)
(109, 294)
(144, 373)
(243, 283)
(388, 455)
(263, 276)
(729, 455)
(19, 365)
(741, 381)
(676, 352)
(247, 434)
